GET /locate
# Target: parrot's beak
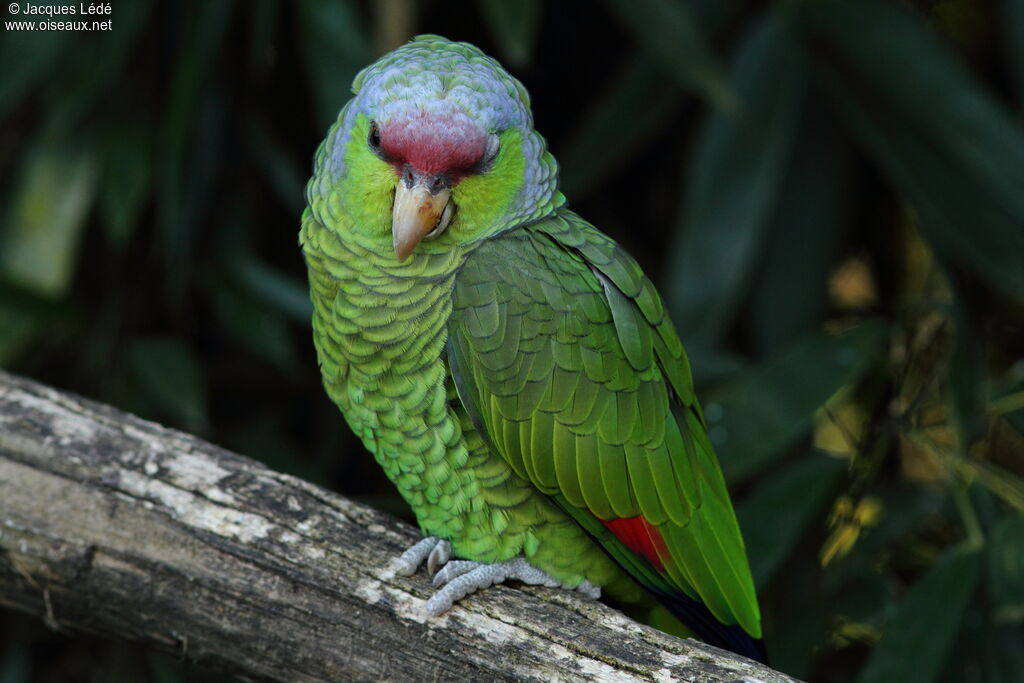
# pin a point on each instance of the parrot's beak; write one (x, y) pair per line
(418, 215)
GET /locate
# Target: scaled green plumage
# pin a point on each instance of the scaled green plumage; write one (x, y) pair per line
(516, 375)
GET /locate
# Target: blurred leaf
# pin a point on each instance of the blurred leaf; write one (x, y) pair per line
(93, 66)
(614, 126)
(514, 28)
(281, 170)
(393, 23)
(56, 188)
(716, 14)
(203, 36)
(14, 664)
(966, 372)
(769, 407)
(286, 294)
(258, 328)
(986, 651)
(733, 179)
(860, 600)
(26, 58)
(794, 630)
(1008, 402)
(1013, 22)
(1016, 420)
(845, 585)
(957, 214)
(986, 505)
(999, 481)
(913, 73)
(263, 20)
(713, 366)
(789, 295)
(916, 641)
(1006, 568)
(264, 439)
(171, 377)
(848, 520)
(17, 326)
(775, 516)
(671, 33)
(113, 52)
(172, 668)
(946, 145)
(335, 48)
(127, 179)
(24, 314)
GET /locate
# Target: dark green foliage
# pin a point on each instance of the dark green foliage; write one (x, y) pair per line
(513, 28)
(1006, 568)
(733, 181)
(639, 80)
(780, 510)
(828, 193)
(925, 623)
(769, 408)
(671, 33)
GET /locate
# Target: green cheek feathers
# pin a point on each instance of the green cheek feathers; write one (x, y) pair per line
(368, 190)
(483, 199)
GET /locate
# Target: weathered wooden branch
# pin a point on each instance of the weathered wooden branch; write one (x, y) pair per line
(114, 525)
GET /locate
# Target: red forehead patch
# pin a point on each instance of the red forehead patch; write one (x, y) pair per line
(433, 143)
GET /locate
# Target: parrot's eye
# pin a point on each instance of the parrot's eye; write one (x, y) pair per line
(373, 139)
(490, 150)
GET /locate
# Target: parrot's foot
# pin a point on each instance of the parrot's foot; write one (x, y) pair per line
(436, 551)
(459, 578)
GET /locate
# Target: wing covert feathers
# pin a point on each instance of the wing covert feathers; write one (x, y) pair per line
(564, 357)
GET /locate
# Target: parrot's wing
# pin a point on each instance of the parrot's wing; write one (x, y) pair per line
(565, 359)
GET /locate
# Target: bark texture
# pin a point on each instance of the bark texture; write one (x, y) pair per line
(114, 525)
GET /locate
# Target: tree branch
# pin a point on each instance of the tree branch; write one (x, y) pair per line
(118, 526)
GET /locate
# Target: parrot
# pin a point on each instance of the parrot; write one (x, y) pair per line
(509, 366)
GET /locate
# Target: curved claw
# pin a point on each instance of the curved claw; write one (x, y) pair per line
(458, 587)
(409, 561)
(439, 556)
(453, 570)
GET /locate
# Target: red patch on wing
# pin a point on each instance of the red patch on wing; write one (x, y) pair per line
(433, 143)
(640, 536)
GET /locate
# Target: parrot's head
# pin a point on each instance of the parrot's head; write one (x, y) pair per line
(436, 149)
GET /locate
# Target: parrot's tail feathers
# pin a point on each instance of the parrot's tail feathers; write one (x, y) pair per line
(709, 629)
(644, 540)
(640, 549)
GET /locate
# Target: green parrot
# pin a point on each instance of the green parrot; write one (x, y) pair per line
(510, 367)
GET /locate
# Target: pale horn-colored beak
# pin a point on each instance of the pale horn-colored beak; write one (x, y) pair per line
(418, 215)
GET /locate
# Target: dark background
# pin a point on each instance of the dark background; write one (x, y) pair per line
(829, 194)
